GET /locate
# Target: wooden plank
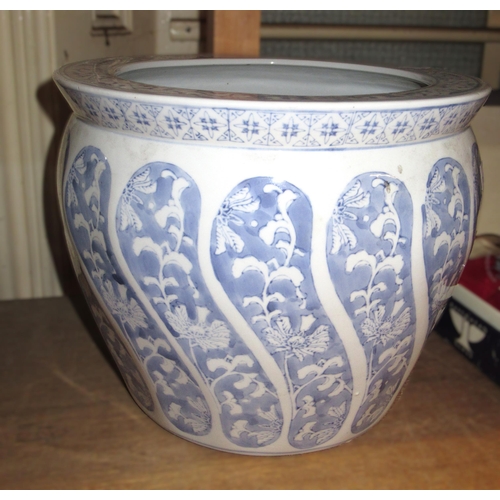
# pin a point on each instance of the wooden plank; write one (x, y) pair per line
(404, 33)
(67, 422)
(493, 19)
(233, 33)
(490, 72)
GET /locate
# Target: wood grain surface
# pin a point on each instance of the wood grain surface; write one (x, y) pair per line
(67, 421)
(233, 33)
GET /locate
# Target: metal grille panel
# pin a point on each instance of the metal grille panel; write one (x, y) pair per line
(434, 19)
(464, 58)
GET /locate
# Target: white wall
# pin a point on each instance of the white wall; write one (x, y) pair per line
(486, 127)
(74, 41)
(32, 45)
(27, 59)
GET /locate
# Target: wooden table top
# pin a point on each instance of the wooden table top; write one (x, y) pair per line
(67, 421)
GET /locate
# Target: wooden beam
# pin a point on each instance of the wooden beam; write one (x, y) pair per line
(376, 33)
(233, 33)
(491, 54)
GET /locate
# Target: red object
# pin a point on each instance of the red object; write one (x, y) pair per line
(482, 277)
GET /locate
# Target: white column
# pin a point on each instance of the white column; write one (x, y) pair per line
(27, 60)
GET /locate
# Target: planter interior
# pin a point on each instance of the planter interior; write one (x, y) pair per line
(273, 78)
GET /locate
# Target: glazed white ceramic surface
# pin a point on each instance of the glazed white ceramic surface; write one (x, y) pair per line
(265, 245)
(272, 78)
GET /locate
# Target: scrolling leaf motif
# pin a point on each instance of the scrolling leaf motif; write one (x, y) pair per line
(261, 251)
(446, 214)
(478, 182)
(87, 191)
(158, 230)
(369, 257)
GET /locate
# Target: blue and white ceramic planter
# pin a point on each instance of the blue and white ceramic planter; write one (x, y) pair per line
(266, 245)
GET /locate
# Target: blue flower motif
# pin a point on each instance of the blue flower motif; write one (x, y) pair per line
(300, 343)
(241, 201)
(200, 333)
(139, 182)
(342, 235)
